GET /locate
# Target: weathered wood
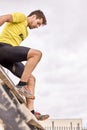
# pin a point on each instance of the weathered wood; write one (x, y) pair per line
(19, 104)
(30, 118)
(11, 117)
(2, 125)
(5, 78)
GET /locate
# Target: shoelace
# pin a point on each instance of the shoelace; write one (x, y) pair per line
(27, 89)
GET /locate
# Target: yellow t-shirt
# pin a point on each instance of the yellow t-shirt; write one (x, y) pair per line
(15, 32)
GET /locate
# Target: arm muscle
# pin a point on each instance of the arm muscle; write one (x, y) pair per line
(5, 18)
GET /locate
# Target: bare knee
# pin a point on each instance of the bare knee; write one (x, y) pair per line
(34, 53)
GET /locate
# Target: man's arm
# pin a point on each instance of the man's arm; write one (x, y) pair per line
(5, 18)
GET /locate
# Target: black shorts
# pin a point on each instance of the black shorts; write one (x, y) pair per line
(12, 56)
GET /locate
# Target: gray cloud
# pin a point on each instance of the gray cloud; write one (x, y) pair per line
(61, 74)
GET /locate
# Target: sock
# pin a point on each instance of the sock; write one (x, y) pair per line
(22, 83)
(32, 111)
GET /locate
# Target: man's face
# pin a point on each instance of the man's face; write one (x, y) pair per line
(35, 22)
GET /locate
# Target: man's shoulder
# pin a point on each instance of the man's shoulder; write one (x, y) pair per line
(18, 17)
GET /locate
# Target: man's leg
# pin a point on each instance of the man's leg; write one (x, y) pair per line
(30, 102)
(31, 87)
(18, 54)
(17, 69)
(33, 57)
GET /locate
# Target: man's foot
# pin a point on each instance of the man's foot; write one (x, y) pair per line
(41, 117)
(25, 92)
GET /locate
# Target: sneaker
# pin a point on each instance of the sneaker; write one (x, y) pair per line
(25, 92)
(41, 117)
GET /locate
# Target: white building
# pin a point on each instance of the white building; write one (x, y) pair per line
(62, 124)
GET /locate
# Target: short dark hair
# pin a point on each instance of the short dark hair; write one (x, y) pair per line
(39, 14)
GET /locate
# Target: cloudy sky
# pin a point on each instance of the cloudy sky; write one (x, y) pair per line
(61, 87)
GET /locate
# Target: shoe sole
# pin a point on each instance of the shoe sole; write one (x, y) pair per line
(27, 96)
(42, 117)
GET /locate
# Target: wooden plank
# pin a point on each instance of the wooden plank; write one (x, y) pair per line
(30, 119)
(5, 78)
(9, 113)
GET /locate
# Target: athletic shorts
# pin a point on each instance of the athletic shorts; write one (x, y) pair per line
(11, 57)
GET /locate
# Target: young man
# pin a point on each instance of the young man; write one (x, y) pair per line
(12, 54)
